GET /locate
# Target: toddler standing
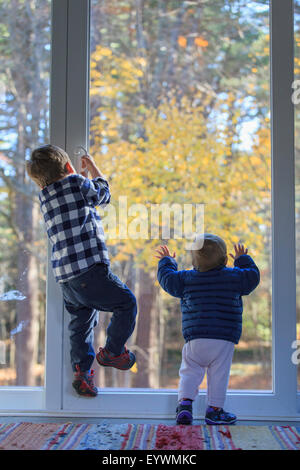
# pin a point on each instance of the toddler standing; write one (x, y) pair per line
(211, 305)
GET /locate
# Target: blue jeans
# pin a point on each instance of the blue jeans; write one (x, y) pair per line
(97, 289)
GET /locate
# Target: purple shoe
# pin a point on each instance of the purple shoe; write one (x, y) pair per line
(219, 416)
(184, 412)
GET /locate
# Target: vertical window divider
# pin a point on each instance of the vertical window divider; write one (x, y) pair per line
(68, 128)
(283, 203)
(76, 119)
(58, 132)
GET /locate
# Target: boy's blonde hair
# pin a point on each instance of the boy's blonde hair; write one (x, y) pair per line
(47, 165)
(209, 252)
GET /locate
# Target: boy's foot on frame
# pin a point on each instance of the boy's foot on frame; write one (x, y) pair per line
(83, 383)
(122, 362)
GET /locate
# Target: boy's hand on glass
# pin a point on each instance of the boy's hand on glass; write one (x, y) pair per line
(89, 165)
(239, 251)
(87, 161)
(84, 169)
(163, 252)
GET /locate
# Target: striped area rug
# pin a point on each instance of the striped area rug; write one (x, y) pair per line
(106, 436)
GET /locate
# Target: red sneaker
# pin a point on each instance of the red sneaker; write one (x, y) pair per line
(84, 383)
(123, 362)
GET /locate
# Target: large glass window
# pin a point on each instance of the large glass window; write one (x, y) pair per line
(24, 91)
(179, 121)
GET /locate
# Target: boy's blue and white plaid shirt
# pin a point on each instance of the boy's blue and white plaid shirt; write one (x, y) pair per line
(73, 224)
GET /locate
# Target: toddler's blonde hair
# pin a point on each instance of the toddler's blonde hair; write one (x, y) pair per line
(208, 252)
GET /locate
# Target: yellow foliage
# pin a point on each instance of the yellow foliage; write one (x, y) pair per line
(180, 161)
(255, 160)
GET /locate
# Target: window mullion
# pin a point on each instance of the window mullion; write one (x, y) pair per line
(58, 109)
(283, 202)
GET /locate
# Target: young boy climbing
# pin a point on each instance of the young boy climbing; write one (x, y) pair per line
(211, 304)
(81, 263)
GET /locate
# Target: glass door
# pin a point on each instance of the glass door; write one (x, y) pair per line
(24, 90)
(179, 120)
(180, 117)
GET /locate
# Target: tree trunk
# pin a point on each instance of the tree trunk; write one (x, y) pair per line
(144, 337)
(27, 310)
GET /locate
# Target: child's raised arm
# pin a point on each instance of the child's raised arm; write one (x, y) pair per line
(168, 277)
(95, 191)
(164, 251)
(89, 165)
(249, 272)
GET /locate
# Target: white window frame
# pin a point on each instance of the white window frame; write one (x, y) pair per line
(69, 123)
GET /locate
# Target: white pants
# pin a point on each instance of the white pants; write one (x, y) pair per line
(199, 355)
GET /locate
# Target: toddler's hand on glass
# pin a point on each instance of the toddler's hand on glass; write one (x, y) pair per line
(239, 251)
(163, 252)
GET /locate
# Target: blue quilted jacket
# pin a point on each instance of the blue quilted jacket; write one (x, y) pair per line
(211, 301)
